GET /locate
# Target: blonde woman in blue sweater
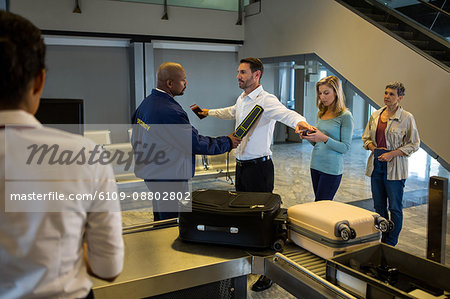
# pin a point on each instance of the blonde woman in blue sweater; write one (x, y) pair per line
(331, 140)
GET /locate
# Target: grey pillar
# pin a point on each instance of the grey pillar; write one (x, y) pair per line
(349, 94)
(137, 75)
(299, 96)
(149, 68)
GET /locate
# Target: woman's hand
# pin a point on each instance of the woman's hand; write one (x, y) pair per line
(387, 157)
(317, 136)
(371, 147)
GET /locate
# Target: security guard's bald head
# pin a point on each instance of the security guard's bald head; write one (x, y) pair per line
(171, 78)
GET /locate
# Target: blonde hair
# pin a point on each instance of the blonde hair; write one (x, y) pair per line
(339, 104)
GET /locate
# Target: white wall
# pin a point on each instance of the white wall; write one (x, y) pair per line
(361, 52)
(98, 75)
(129, 18)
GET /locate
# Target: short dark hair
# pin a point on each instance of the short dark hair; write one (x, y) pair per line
(397, 86)
(22, 57)
(255, 64)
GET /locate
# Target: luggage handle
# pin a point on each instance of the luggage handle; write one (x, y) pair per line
(261, 203)
(234, 204)
(231, 229)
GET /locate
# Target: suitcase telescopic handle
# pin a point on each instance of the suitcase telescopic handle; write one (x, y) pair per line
(208, 228)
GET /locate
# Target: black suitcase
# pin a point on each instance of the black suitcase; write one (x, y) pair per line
(249, 219)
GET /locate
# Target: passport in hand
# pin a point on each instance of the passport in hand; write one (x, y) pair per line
(196, 109)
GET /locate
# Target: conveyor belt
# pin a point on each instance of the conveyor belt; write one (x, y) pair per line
(310, 261)
(302, 274)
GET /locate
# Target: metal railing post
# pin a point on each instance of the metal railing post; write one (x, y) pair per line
(437, 218)
(437, 15)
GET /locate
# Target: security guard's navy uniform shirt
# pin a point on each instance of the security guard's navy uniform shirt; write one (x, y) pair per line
(161, 108)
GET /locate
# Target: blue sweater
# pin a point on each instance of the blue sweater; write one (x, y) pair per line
(328, 157)
(161, 108)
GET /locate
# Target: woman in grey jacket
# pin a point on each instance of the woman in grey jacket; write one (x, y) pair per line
(391, 134)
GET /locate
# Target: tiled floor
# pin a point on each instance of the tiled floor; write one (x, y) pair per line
(293, 183)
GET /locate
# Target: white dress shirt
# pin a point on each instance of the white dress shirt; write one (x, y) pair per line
(41, 253)
(256, 143)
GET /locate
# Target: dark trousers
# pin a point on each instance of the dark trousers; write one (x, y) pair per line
(386, 192)
(165, 209)
(258, 177)
(325, 185)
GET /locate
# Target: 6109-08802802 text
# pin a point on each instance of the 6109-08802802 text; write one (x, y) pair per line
(58, 196)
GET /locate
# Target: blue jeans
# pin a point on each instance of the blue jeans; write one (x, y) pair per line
(386, 192)
(325, 185)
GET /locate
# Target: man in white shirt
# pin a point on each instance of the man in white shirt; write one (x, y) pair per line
(48, 246)
(254, 167)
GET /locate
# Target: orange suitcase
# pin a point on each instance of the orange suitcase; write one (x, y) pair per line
(327, 228)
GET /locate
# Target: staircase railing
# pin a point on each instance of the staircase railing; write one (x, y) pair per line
(421, 18)
(402, 27)
(435, 7)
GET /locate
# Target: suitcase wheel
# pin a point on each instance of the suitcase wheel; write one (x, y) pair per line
(278, 245)
(383, 224)
(346, 232)
(391, 225)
